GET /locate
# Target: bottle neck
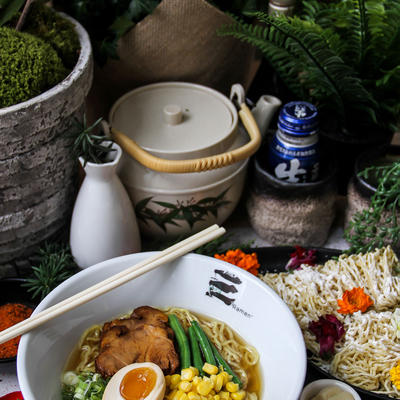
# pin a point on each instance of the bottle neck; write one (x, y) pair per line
(300, 141)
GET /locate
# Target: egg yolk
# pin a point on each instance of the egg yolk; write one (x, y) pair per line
(137, 383)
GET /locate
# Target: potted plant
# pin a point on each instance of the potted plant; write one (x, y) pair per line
(46, 73)
(344, 57)
(372, 217)
(103, 223)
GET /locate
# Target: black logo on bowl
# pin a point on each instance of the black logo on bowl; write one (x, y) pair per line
(224, 286)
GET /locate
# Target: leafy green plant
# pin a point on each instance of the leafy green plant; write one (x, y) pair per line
(56, 264)
(90, 146)
(188, 211)
(8, 9)
(378, 225)
(341, 55)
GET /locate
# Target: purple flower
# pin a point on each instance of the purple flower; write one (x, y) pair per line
(328, 330)
(301, 256)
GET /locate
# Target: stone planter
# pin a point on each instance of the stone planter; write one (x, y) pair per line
(284, 213)
(37, 172)
(360, 190)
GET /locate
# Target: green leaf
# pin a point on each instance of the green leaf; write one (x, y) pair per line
(140, 8)
(4, 3)
(11, 9)
(121, 25)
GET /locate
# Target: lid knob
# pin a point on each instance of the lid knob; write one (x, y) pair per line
(173, 114)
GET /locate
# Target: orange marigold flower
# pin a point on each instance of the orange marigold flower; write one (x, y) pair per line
(249, 262)
(354, 300)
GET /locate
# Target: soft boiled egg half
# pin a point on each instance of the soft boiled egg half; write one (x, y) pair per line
(137, 381)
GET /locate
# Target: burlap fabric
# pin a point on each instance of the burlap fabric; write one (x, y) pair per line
(177, 42)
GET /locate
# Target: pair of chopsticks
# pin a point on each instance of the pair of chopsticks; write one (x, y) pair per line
(167, 255)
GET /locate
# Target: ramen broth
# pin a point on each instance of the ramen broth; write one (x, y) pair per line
(253, 372)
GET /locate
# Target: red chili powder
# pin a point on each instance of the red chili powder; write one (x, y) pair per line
(11, 314)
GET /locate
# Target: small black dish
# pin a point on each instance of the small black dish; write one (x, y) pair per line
(12, 291)
(377, 157)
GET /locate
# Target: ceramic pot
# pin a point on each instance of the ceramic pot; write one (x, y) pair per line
(285, 213)
(185, 154)
(37, 172)
(103, 223)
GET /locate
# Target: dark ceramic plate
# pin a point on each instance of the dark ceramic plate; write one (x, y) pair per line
(274, 259)
(11, 291)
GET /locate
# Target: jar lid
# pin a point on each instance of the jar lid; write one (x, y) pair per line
(176, 120)
(298, 118)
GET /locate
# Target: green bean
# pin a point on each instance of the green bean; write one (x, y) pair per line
(204, 343)
(225, 365)
(196, 354)
(183, 342)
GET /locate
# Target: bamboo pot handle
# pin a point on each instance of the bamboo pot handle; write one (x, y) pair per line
(195, 164)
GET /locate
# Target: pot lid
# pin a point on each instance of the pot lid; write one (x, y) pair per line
(176, 120)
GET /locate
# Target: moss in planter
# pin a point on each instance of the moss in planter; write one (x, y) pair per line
(43, 22)
(28, 67)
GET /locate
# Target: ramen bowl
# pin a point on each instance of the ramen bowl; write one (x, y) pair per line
(202, 284)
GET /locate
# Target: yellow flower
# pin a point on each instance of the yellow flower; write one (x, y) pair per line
(395, 375)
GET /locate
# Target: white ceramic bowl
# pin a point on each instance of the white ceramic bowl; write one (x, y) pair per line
(257, 314)
(313, 388)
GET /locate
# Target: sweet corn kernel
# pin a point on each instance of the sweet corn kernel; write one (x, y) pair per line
(224, 395)
(195, 371)
(219, 382)
(171, 394)
(185, 386)
(167, 379)
(182, 396)
(175, 379)
(239, 395)
(212, 393)
(226, 377)
(177, 394)
(210, 369)
(217, 397)
(232, 387)
(197, 380)
(204, 387)
(193, 396)
(187, 374)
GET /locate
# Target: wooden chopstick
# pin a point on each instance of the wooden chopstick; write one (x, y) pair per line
(167, 255)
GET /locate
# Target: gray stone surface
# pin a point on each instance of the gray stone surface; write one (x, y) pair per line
(37, 171)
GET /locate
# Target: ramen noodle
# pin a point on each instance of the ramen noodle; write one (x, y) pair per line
(242, 357)
(370, 347)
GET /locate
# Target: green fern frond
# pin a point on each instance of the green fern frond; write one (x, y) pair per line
(318, 70)
(384, 31)
(278, 56)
